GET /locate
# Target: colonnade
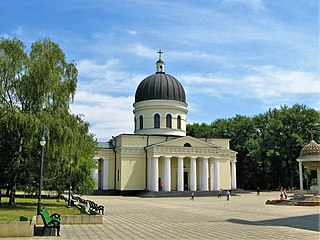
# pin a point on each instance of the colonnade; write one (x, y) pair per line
(209, 171)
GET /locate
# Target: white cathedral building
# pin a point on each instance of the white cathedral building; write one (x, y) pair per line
(159, 156)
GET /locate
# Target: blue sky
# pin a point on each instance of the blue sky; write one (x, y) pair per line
(231, 56)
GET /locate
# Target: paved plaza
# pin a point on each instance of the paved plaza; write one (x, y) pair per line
(243, 217)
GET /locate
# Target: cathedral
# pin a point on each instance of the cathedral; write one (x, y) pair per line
(159, 156)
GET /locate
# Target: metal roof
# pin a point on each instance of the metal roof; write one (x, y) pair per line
(160, 86)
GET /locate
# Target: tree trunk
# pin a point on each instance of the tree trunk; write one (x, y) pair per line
(14, 179)
(12, 197)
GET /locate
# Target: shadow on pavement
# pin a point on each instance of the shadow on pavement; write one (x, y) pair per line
(307, 222)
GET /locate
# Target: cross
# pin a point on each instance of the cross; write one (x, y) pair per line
(160, 54)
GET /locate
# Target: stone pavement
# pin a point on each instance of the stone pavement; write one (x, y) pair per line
(243, 217)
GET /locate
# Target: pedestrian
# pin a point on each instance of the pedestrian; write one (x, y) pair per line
(258, 191)
(285, 193)
(228, 195)
(192, 196)
(220, 193)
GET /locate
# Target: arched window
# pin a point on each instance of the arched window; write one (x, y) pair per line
(179, 122)
(156, 121)
(187, 145)
(141, 121)
(169, 121)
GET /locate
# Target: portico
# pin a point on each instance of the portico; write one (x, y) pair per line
(190, 168)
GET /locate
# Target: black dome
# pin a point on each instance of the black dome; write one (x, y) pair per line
(160, 86)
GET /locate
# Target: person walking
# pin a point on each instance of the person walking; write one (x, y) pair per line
(220, 193)
(228, 195)
(258, 191)
(192, 196)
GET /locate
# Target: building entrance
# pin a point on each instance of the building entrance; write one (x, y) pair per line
(186, 181)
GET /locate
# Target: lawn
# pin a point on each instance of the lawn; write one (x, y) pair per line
(27, 207)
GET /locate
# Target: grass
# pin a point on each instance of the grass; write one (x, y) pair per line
(27, 206)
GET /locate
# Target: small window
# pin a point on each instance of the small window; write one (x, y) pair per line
(169, 121)
(156, 119)
(179, 122)
(141, 121)
(187, 145)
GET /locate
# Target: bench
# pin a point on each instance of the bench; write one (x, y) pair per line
(96, 207)
(52, 221)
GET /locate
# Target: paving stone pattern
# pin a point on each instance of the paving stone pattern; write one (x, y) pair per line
(243, 217)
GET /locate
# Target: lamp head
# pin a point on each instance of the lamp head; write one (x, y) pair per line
(42, 141)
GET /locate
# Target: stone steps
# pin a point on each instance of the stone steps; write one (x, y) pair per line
(151, 194)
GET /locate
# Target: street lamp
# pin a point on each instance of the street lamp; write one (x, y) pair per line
(42, 143)
(69, 199)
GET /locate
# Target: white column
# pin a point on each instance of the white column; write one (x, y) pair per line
(216, 175)
(205, 174)
(95, 174)
(167, 169)
(211, 175)
(149, 184)
(318, 177)
(193, 175)
(163, 174)
(233, 175)
(199, 174)
(155, 174)
(180, 174)
(300, 178)
(105, 174)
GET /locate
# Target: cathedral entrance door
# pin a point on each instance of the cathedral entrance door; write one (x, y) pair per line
(186, 182)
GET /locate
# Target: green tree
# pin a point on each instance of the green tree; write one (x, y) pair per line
(36, 90)
(267, 144)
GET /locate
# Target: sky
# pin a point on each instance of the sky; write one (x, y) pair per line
(231, 56)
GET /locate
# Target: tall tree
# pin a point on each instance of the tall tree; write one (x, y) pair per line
(36, 91)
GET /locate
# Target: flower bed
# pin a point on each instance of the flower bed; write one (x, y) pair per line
(274, 201)
(305, 203)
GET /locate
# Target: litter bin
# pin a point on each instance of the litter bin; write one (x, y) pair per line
(23, 218)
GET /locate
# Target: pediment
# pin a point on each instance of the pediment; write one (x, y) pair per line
(188, 142)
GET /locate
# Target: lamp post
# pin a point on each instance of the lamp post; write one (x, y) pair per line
(42, 143)
(70, 177)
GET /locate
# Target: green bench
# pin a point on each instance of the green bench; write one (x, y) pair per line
(50, 221)
(95, 207)
(83, 210)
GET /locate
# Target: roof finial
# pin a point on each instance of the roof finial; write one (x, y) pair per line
(160, 63)
(312, 132)
(160, 54)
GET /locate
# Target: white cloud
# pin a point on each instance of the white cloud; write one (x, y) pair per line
(270, 81)
(253, 4)
(142, 51)
(132, 32)
(18, 31)
(108, 116)
(92, 69)
(268, 84)
(106, 78)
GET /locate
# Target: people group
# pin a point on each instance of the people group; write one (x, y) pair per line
(228, 194)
